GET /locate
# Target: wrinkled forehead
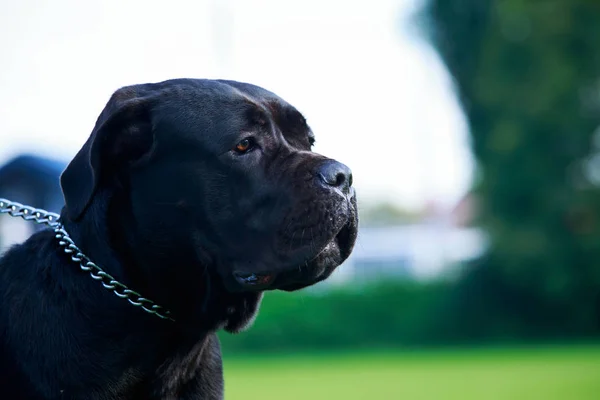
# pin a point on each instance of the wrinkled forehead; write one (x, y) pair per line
(278, 109)
(192, 110)
(286, 116)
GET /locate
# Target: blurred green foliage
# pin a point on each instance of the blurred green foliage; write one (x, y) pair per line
(528, 76)
(375, 316)
(386, 315)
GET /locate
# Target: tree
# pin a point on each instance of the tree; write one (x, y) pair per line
(528, 77)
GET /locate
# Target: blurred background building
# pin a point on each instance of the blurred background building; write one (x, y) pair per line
(473, 131)
(32, 180)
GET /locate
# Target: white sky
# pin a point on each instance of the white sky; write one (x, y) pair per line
(377, 97)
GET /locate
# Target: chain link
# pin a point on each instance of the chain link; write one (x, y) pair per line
(28, 213)
(52, 220)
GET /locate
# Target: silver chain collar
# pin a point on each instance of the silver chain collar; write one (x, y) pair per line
(52, 220)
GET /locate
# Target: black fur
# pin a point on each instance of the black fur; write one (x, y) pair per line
(161, 200)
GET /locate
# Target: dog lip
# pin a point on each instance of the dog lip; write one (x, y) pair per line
(253, 279)
(345, 240)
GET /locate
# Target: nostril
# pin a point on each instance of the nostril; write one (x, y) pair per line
(335, 174)
(340, 179)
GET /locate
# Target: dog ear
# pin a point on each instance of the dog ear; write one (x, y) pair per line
(122, 134)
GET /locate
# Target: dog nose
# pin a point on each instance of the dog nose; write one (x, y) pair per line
(335, 174)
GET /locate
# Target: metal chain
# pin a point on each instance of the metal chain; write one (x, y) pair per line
(28, 213)
(52, 220)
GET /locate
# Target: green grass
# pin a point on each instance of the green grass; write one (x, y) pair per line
(565, 373)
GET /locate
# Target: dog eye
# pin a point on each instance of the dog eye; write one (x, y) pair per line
(244, 146)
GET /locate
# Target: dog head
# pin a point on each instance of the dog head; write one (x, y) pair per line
(215, 178)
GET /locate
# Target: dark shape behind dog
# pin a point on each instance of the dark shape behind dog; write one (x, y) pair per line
(198, 194)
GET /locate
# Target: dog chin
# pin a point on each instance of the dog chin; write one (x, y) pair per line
(322, 265)
(297, 275)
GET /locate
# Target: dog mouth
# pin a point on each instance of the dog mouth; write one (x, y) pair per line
(253, 280)
(316, 269)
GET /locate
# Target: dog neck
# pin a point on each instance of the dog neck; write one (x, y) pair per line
(195, 296)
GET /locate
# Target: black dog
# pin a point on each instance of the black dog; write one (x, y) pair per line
(199, 195)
